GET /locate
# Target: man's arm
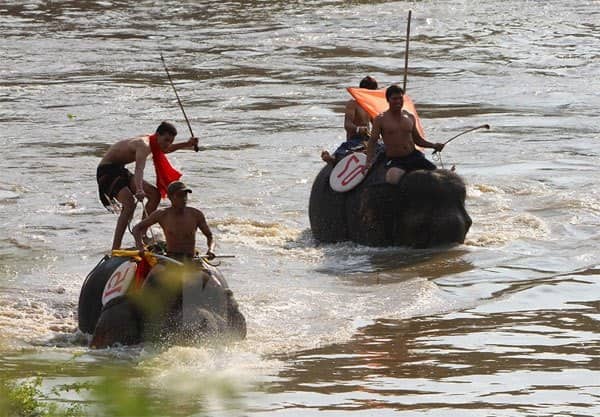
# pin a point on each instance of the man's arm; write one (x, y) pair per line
(349, 114)
(142, 150)
(139, 230)
(203, 226)
(419, 140)
(372, 143)
(190, 143)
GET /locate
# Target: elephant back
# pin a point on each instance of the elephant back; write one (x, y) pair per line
(90, 297)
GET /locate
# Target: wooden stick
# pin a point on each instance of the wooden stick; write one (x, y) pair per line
(178, 100)
(406, 51)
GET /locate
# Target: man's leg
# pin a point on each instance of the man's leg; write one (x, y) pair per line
(127, 200)
(153, 196)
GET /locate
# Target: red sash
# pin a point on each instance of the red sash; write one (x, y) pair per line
(165, 173)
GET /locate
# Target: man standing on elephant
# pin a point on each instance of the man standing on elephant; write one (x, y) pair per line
(356, 124)
(179, 224)
(398, 129)
(116, 182)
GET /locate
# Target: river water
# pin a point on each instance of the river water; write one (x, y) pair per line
(507, 324)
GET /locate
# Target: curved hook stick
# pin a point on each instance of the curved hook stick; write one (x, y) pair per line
(178, 100)
(485, 126)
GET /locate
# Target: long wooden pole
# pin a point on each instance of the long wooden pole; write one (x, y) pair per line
(178, 100)
(406, 51)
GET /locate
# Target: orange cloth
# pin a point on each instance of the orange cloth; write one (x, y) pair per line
(165, 173)
(374, 103)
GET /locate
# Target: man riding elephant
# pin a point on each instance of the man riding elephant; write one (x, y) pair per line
(183, 300)
(398, 129)
(179, 224)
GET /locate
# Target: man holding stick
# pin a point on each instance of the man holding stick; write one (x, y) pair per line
(398, 130)
(116, 182)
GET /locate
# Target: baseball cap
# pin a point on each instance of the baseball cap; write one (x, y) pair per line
(177, 186)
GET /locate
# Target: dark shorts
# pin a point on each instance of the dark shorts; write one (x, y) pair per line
(355, 143)
(412, 162)
(111, 178)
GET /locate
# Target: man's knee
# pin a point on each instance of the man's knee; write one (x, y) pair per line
(393, 175)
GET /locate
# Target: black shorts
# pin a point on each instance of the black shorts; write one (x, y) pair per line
(412, 162)
(111, 178)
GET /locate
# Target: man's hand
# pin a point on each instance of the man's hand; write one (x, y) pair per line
(193, 142)
(210, 255)
(438, 147)
(363, 130)
(140, 195)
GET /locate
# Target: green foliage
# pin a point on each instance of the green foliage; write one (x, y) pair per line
(20, 400)
(113, 395)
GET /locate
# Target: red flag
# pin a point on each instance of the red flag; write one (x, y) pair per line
(165, 173)
(374, 103)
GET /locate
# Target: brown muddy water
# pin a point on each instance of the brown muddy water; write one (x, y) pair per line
(507, 324)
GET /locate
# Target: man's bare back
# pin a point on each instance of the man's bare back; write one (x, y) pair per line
(125, 151)
(355, 119)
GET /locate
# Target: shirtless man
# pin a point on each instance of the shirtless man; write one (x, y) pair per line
(398, 129)
(356, 123)
(116, 182)
(179, 223)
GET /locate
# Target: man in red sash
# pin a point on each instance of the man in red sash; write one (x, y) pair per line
(115, 182)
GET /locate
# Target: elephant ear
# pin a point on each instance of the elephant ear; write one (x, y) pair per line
(327, 210)
(90, 297)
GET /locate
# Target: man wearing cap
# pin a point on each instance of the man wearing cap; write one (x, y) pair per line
(179, 224)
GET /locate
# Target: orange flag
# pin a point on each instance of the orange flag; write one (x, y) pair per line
(374, 102)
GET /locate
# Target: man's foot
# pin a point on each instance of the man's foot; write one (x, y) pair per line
(326, 156)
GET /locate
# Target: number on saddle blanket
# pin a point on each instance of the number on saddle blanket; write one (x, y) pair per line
(119, 282)
(349, 172)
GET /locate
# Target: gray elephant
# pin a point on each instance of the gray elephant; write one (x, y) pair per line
(177, 304)
(426, 209)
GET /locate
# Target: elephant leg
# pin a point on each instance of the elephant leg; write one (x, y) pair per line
(118, 323)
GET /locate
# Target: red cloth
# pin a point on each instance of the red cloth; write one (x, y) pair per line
(143, 268)
(374, 102)
(165, 173)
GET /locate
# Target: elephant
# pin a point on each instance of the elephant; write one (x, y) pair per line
(425, 209)
(177, 304)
